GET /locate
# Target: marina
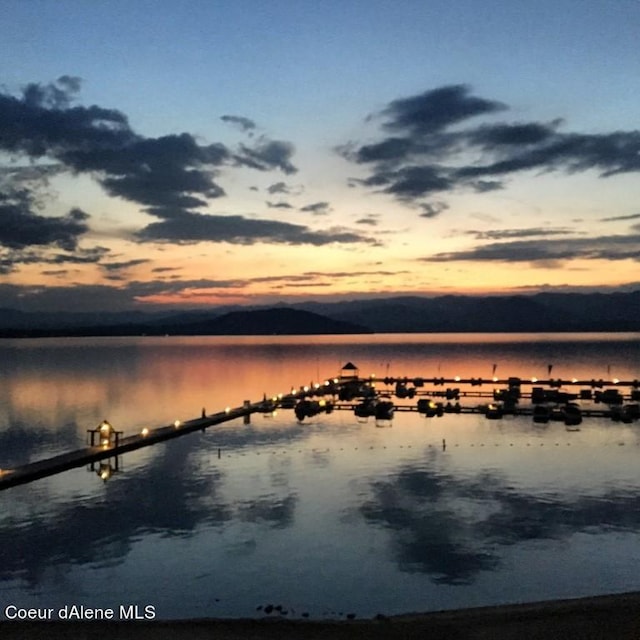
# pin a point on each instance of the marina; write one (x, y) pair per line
(550, 399)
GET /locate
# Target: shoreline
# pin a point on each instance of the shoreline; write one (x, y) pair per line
(608, 616)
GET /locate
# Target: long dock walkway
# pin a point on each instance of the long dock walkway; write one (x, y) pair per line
(81, 457)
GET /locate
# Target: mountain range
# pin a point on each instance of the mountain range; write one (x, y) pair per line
(542, 312)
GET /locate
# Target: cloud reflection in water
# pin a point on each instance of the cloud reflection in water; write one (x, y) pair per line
(452, 527)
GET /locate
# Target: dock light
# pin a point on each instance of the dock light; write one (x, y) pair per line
(574, 380)
(227, 409)
(534, 379)
(326, 383)
(615, 381)
(316, 385)
(145, 432)
(305, 389)
(495, 378)
(457, 378)
(176, 424)
(280, 396)
(293, 392)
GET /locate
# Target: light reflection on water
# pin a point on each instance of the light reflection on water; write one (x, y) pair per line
(326, 517)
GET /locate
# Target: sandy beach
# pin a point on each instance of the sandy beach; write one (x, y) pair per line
(612, 616)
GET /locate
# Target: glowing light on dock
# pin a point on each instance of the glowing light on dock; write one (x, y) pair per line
(227, 410)
(574, 380)
(534, 379)
(145, 431)
(615, 381)
(176, 424)
(457, 378)
(495, 378)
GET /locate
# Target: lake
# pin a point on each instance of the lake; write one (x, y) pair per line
(322, 518)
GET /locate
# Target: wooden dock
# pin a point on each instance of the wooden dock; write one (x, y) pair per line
(147, 437)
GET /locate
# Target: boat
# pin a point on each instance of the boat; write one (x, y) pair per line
(384, 409)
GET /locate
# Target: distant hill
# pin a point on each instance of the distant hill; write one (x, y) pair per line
(280, 321)
(543, 312)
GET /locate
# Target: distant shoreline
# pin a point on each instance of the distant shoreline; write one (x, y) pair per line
(609, 616)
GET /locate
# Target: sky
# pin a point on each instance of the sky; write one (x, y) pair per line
(160, 154)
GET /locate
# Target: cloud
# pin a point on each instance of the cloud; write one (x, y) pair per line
(121, 266)
(244, 124)
(633, 216)
(168, 171)
(278, 187)
(171, 176)
(279, 205)
(432, 209)
(22, 228)
(317, 208)
(616, 247)
(435, 110)
(370, 219)
(190, 228)
(502, 234)
(435, 145)
(267, 155)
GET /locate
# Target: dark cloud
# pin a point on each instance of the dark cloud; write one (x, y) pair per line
(10, 259)
(433, 148)
(278, 187)
(432, 209)
(616, 247)
(317, 208)
(435, 110)
(279, 205)
(171, 176)
(20, 227)
(244, 124)
(169, 171)
(190, 228)
(120, 266)
(267, 155)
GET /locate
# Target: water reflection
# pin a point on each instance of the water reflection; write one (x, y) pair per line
(20, 442)
(452, 527)
(359, 515)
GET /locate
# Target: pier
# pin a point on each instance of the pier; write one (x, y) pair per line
(545, 400)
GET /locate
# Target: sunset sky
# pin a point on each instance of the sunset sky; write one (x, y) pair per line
(158, 153)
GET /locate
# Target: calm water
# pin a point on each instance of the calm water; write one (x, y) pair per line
(327, 517)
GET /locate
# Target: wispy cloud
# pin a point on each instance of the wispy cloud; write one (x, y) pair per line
(617, 247)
